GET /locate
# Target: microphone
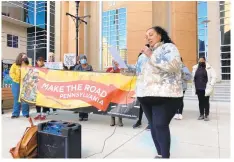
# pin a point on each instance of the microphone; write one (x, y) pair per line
(147, 45)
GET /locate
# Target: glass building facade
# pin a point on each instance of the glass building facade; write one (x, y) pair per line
(202, 29)
(114, 33)
(225, 33)
(34, 13)
(225, 46)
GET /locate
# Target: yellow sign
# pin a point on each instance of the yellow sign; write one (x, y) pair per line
(71, 89)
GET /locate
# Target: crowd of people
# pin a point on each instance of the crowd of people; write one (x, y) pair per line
(160, 87)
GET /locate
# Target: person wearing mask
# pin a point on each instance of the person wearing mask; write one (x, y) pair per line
(138, 123)
(15, 74)
(115, 69)
(204, 79)
(158, 86)
(83, 66)
(186, 76)
(41, 116)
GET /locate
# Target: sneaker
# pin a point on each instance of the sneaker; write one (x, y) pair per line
(180, 117)
(43, 117)
(80, 119)
(201, 117)
(55, 113)
(38, 117)
(14, 117)
(176, 116)
(158, 157)
(206, 118)
(137, 125)
(148, 127)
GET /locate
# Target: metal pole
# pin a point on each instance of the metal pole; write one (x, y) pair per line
(85, 28)
(100, 37)
(77, 26)
(35, 34)
(48, 31)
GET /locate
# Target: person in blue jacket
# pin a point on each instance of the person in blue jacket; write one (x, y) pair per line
(186, 76)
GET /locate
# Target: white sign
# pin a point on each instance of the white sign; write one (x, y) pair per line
(69, 59)
(117, 58)
(54, 65)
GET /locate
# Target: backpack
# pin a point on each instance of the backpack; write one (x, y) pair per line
(27, 146)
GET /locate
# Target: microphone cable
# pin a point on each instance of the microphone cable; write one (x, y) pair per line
(104, 144)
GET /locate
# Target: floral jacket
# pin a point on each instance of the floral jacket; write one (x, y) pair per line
(160, 74)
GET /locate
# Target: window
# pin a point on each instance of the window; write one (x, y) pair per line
(202, 29)
(225, 34)
(114, 32)
(12, 41)
(19, 10)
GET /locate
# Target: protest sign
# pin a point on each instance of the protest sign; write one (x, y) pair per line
(101, 93)
(54, 65)
(69, 59)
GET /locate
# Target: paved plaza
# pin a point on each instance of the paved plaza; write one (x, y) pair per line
(190, 138)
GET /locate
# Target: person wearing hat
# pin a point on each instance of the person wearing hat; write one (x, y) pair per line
(83, 66)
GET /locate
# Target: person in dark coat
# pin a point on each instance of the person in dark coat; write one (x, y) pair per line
(83, 66)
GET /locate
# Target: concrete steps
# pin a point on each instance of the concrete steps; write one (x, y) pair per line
(222, 92)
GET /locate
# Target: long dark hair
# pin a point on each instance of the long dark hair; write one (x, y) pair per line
(164, 35)
(202, 57)
(19, 59)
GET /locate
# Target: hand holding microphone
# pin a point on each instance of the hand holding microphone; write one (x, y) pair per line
(147, 51)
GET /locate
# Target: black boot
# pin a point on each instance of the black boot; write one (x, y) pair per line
(120, 122)
(112, 121)
(138, 124)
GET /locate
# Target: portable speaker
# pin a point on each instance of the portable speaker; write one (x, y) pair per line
(58, 139)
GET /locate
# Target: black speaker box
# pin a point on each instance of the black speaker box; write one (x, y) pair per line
(59, 139)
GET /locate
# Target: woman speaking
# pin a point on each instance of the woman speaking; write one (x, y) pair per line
(159, 85)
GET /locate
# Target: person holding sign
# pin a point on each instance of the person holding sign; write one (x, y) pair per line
(83, 66)
(73, 66)
(41, 116)
(52, 59)
(115, 69)
(15, 74)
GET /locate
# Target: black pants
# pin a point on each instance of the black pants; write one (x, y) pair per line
(159, 112)
(140, 114)
(83, 115)
(204, 103)
(180, 110)
(44, 110)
